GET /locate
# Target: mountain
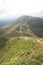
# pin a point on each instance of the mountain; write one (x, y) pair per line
(24, 26)
(21, 42)
(6, 21)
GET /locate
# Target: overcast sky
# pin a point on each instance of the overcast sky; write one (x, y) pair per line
(10, 8)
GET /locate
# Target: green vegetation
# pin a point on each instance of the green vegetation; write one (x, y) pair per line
(21, 43)
(22, 51)
(25, 26)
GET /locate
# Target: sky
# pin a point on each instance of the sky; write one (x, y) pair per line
(14, 8)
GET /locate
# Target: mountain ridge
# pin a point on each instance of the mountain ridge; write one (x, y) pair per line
(27, 23)
(21, 42)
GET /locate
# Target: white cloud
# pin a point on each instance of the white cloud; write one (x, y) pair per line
(20, 7)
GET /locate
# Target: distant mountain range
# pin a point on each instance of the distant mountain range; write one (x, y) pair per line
(9, 20)
(6, 21)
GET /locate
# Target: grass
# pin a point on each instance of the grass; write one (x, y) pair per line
(16, 48)
(21, 51)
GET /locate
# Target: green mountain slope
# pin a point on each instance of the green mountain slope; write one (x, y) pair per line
(22, 51)
(21, 42)
(24, 26)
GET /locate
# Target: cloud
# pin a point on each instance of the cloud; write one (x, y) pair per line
(20, 7)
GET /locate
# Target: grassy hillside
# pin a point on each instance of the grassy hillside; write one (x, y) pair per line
(22, 51)
(24, 26)
(21, 43)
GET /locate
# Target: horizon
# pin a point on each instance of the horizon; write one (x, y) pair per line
(14, 18)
